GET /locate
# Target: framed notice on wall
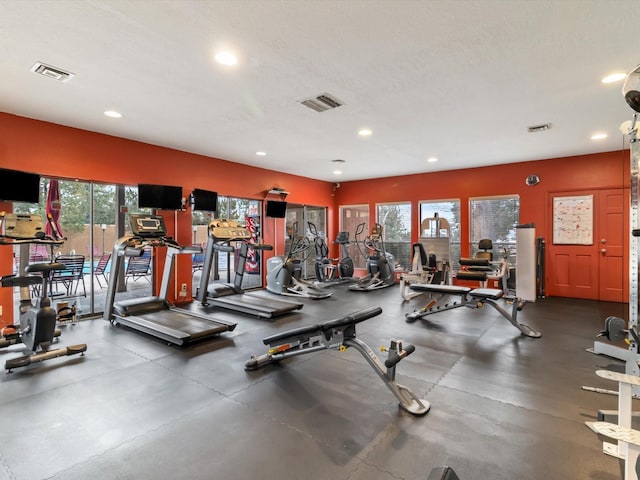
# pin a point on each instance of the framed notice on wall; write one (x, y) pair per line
(573, 220)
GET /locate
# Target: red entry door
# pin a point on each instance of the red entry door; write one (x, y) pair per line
(613, 246)
(598, 271)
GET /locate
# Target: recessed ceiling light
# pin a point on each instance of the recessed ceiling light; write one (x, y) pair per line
(226, 58)
(598, 136)
(432, 159)
(364, 132)
(261, 154)
(614, 77)
(113, 114)
(337, 172)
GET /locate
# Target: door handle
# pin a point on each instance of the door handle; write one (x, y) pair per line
(603, 251)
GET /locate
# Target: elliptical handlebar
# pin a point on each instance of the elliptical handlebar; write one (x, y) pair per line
(373, 241)
(359, 230)
(313, 229)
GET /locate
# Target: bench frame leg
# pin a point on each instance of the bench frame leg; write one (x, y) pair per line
(341, 339)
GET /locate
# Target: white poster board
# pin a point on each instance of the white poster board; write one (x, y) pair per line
(573, 220)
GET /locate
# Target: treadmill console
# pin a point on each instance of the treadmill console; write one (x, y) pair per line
(21, 226)
(147, 226)
(228, 230)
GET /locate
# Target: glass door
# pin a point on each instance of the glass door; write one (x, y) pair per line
(296, 226)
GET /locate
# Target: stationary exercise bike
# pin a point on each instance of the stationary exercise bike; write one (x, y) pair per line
(380, 263)
(284, 272)
(327, 271)
(37, 328)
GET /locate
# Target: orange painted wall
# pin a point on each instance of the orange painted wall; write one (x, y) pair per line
(58, 151)
(605, 170)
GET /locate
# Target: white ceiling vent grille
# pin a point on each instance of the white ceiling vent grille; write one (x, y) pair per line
(322, 102)
(52, 72)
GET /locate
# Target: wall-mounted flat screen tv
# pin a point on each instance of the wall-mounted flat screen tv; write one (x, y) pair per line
(161, 197)
(276, 209)
(204, 200)
(16, 186)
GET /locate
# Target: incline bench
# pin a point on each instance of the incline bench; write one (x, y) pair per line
(471, 298)
(341, 334)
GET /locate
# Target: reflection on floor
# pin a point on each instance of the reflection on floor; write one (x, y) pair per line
(503, 406)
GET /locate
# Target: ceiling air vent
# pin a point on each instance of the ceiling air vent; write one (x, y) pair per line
(322, 102)
(539, 128)
(52, 72)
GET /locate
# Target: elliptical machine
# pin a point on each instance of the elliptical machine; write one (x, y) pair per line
(380, 263)
(37, 329)
(284, 272)
(327, 271)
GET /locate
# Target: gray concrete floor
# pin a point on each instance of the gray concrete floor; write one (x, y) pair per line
(503, 406)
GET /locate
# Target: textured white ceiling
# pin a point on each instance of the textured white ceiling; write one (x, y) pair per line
(459, 80)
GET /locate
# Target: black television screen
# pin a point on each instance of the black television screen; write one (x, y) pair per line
(276, 209)
(204, 200)
(162, 197)
(18, 186)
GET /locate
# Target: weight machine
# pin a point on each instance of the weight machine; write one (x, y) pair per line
(431, 257)
(627, 446)
(614, 329)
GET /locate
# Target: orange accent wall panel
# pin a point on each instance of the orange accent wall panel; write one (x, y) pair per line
(59, 151)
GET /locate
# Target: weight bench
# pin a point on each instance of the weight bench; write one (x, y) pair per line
(471, 298)
(340, 334)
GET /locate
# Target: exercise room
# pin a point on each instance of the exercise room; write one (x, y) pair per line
(319, 240)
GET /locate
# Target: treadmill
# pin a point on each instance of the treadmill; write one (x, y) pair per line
(155, 315)
(232, 296)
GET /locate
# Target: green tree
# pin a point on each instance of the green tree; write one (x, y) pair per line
(394, 223)
(104, 206)
(74, 197)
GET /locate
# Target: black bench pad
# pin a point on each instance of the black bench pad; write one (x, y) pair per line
(472, 275)
(351, 319)
(448, 289)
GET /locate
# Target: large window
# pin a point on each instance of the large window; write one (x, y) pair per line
(350, 217)
(395, 219)
(91, 217)
(494, 218)
(448, 210)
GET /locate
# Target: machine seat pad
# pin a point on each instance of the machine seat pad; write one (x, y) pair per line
(446, 289)
(472, 275)
(488, 293)
(140, 306)
(475, 262)
(307, 330)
